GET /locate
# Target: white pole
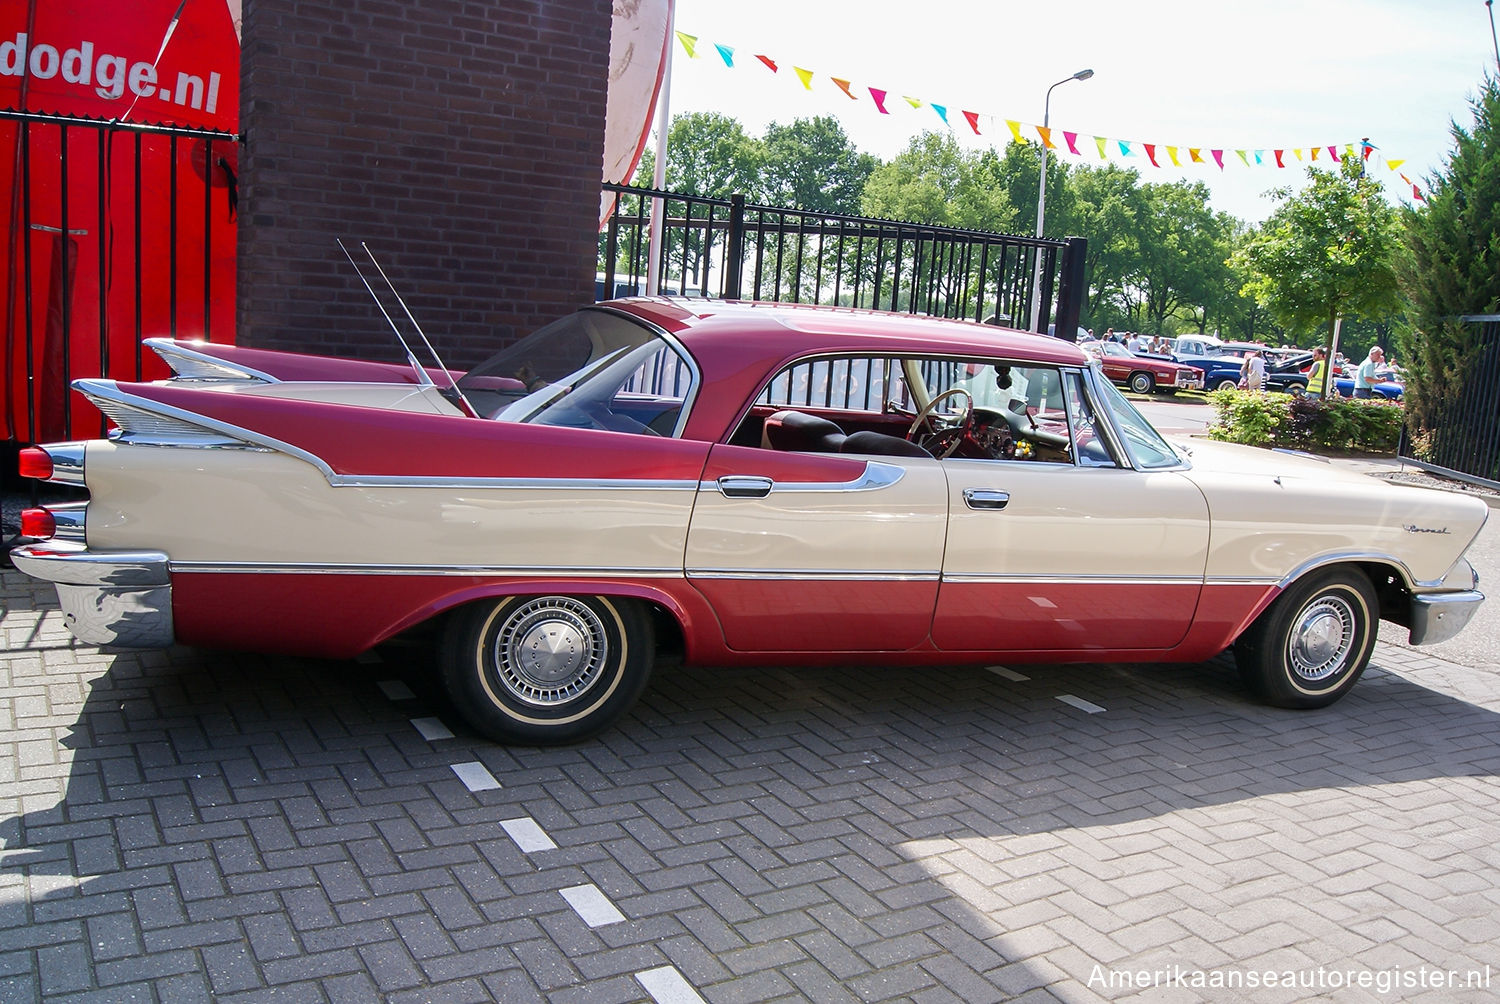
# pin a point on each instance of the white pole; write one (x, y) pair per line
(659, 176)
(1041, 204)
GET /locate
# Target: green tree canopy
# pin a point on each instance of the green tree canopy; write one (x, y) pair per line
(935, 181)
(811, 164)
(1327, 252)
(1454, 264)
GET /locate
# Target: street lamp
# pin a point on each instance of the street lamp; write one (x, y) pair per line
(1041, 197)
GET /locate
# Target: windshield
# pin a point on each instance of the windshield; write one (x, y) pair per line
(596, 369)
(1145, 444)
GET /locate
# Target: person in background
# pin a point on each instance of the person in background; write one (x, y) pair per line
(1253, 372)
(1317, 377)
(1364, 377)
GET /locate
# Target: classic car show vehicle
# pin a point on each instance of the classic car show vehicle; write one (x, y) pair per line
(1144, 374)
(737, 483)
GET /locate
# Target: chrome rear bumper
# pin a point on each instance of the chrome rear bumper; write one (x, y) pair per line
(121, 598)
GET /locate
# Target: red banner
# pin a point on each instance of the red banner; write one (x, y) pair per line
(174, 62)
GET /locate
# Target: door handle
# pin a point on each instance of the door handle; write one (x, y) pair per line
(744, 486)
(985, 498)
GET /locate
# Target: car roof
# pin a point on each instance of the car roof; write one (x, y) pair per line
(738, 345)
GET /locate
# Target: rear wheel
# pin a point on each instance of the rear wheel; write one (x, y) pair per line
(1142, 383)
(1311, 645)
(1227, 384)
(541, 670)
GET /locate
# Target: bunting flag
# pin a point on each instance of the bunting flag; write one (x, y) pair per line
(979, 122)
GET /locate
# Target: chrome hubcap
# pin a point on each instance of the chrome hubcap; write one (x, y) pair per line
(549, 651)
(1321, 639)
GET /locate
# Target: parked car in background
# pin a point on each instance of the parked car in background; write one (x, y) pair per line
(1222, 372)
(736, 484)
(1144, 374)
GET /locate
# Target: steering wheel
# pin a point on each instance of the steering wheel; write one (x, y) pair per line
(943, 441)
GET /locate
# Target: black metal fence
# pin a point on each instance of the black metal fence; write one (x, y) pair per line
(112, 232)
(1463, 440)
(733, 249)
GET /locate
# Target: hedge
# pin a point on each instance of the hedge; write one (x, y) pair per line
(1338, 425)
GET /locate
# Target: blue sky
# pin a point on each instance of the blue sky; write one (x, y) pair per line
(1231, 75)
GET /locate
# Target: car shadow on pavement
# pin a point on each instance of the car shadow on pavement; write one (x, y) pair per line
(196, 824)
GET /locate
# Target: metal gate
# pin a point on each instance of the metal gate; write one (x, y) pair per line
(113, 232)
(737, 250)
(1464, 439)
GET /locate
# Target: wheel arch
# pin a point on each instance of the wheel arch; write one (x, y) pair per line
(676, 621)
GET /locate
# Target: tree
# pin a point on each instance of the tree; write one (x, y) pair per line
(1103, 210)
(935, 181)
(1453, 268)
(1325, 253)
(812, 165)
(1181, 247)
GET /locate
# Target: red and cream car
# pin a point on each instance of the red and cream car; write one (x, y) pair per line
(741, 483)
(1141, 373)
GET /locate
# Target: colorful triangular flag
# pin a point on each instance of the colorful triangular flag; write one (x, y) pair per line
(726, 54)
(688, 43)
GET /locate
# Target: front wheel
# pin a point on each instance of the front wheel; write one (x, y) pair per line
(1142, 383)
(1227, 384)
(543, 670)
(1311, 645)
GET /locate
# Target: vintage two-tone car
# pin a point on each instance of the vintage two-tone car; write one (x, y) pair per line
(1144, 374)
(741, 483)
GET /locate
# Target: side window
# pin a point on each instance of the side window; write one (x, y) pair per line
(1089, 447)
(859, 384)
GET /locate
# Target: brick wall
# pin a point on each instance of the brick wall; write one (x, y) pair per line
(462, 139)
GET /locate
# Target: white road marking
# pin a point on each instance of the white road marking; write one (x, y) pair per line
(395, 690)
(1080, 703)
(528, 835)
(592, 905)
(431, 729)
(667, 986)
(1008, 674)
(475, 776)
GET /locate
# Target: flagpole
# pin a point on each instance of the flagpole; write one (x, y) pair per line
(659, 175)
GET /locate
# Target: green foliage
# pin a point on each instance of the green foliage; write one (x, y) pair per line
(1453, 268)
(1327, 252)
(811, 164)
(1336, 425)
(935, 181)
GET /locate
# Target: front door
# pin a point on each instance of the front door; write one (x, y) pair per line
(801, 552)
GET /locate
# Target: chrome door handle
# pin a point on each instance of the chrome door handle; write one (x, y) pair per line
(744, 486)
(985, 498)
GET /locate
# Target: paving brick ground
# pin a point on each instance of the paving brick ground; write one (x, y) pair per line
(191, 825)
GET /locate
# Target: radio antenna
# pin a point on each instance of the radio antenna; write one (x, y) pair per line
(423, 377)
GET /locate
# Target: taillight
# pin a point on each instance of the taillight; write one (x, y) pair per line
(35, 462)
(37, 523)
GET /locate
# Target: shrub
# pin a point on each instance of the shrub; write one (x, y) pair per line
(1335, 425)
